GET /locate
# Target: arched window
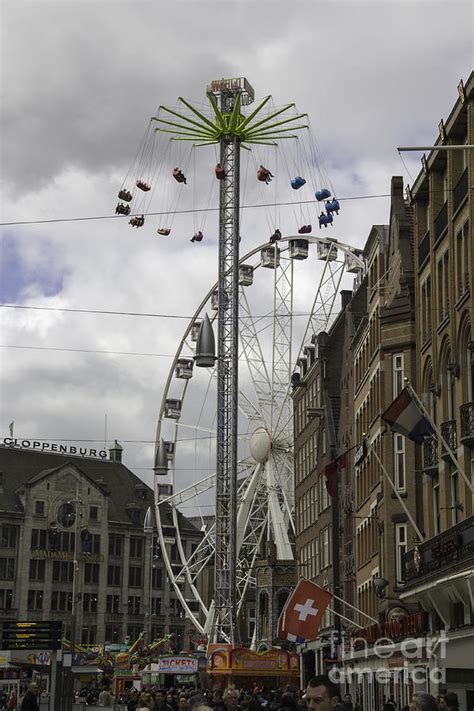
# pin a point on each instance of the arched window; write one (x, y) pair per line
(263, 614)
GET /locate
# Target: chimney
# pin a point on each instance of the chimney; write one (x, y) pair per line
(115, 452)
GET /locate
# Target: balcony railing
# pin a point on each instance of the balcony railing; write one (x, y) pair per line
(441, 221)
(460, 190)
(451, 549)
(467, 423)
(113, 616)
(8, 613)
(430, 455)
(448, 430)
(424, 249)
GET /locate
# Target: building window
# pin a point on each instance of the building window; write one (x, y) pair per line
(63, 571)
(136, 547)
(114, 575)
(399, 461)
(38, 539)
(90, 542)
(115, 544)
(113, 604)
(398, 373)
(89, 634)
(436, 510)
(61, 601)
(157, 577)
(113, 633)
(7, 568)
(134, 631)
(470, 371)
(91, 573)
(89, 602)
(93, 513)
(134, 577)
(8, 536)
(37, 568)
(134, 602)
(426, 307)
(443, 287)
(40, 508)
(66, 514)
(455, 504)
(35, 599)
(6, 599)
(401, 549)
(156, 605)
(324, 555)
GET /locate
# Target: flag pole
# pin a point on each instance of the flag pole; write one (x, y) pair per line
(396, 492)
(438, 432)
(345, 618)
(364, 614)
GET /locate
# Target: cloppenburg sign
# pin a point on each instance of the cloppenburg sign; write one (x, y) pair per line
(53, 447)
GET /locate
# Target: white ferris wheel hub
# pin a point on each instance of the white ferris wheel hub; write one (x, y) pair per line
(260, 445)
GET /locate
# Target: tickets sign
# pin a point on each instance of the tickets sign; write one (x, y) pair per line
(177, 665)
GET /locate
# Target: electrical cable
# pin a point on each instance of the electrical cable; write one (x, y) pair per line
(182, 212)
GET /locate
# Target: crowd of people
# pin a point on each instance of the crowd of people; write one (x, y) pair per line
(321, 695)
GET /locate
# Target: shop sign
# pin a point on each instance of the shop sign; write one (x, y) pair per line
(4, 660)
(41, 658)
(53, 447)
(395, 629)
(66, 555)
(360, 453)
(177, 665)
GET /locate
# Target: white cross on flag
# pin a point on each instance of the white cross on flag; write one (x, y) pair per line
(301, 617)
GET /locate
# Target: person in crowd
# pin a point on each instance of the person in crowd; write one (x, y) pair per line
(452, 703)
(423, 702)
(145, 703)
(105, 698)
(322, 694)
(161, 703)
(346, 704)
(231, 699)
(30, 699)
(441, 701)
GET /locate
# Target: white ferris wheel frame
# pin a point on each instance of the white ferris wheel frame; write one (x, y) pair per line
(280, 390)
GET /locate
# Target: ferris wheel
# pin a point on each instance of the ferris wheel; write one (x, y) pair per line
(287, 292)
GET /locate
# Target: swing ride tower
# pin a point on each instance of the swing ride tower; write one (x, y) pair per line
(232, 131)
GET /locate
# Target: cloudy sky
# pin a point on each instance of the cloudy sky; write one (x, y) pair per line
(80, 81)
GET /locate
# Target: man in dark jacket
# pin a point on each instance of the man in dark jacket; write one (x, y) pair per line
(30, 699)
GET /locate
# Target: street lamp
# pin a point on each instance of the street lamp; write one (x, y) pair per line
(148, 526)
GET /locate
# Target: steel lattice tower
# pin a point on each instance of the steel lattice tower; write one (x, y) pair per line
(231, 130)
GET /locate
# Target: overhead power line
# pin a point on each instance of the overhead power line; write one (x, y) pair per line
(183, 212)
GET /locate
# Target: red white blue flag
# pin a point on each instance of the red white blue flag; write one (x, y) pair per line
(405, 417)
(301, 617)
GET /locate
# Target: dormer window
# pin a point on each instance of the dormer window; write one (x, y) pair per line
(134, 512)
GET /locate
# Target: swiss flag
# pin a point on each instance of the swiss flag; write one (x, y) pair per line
(301, 617)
